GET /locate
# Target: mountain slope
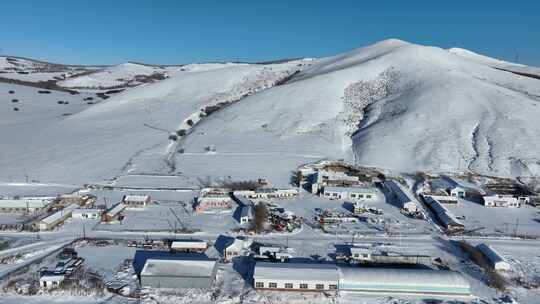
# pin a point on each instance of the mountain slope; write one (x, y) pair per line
(395, 105)
(392, 104)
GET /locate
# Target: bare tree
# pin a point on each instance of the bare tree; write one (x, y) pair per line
(261, 216)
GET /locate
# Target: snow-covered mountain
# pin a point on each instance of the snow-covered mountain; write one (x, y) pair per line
(392, 104)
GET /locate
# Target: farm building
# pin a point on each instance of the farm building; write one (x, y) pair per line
(267, 193)
(50, 279)
(87, 214)
(404, 281)
(328, 179)
(296, 276)
(444, 199)
(237, 247)
(113, 213)
(496, 261)
(350, 193)
(211, 200)
(360, 254)
(503, 200)
(445, 217)
(189, 246)
(136, 200)
(56, 218)
(74, 198)
(22, 205)
(157, 269)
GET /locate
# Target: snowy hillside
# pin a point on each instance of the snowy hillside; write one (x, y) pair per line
(392, 104)
(408, 107)
(122, 75)
(33, 71)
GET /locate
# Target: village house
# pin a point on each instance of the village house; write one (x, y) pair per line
(350, 193)
(50, 279)
(57, 218)
(504, 200)
(136, 200)
(87, 214)
(237, 247)
(458, 192)
(22, 205)
(321, 179)
(75, 198)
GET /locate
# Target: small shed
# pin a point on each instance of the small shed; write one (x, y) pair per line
(496, 261)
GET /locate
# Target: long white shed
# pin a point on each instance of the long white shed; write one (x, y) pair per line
(496, 261)
(403, 281)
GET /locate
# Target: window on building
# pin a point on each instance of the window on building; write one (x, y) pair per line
(319, 286)
(332, 286)
(353, 195)
(289, 285)
(303, 286)
(259, 284)
(360, 196)
(368, 196)
(272, 285)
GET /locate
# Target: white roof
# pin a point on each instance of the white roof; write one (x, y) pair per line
(60, 214)
(351, 189)
(116, 209)
(52, 277)
(187, 244)
(354, 250)
(23, 203)
(82, 211)
(178, 268)
(238, 244)
(136, 198)
(296, 271)
(402, 280)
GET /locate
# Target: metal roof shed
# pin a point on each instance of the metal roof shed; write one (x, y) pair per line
(403, 281)
(296, 276)
(179, 273)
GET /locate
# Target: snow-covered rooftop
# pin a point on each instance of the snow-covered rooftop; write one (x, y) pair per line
(179, 268)
(296, 271)
(351, 189)
(136, 198)
(23, 203)
(60, 214)
(402, 280)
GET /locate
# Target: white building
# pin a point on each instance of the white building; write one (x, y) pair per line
(246, 215)
(189, 246)
(360, 254)
(458, 192)
(51, 280)
(296, 276)
(323, 178)
(87, 214)
(267, 193)
(350, 193)
(56, 218)
(496, 261)
(503, 200)
(445, 217)
(23, 205)
(211, 200)
(236, 248)
(136, 200)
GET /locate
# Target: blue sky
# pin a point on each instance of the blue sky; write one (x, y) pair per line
(106, 32)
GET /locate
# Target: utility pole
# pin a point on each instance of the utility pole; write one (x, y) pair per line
(516, 228)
